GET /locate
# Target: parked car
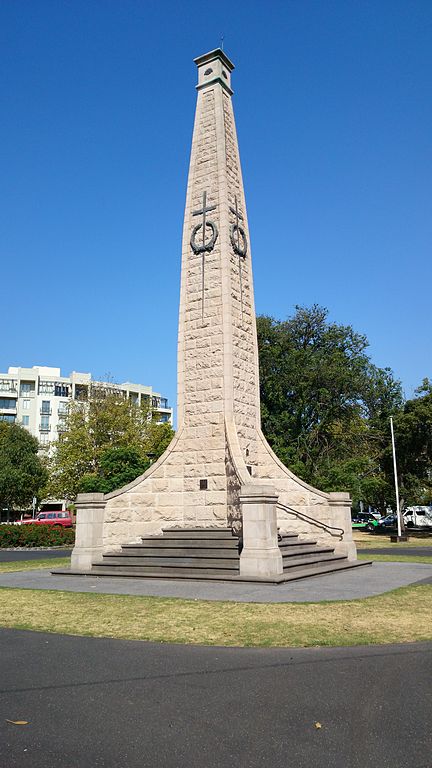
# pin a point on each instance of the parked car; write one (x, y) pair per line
(389, 521)
(364, 521)
(57, 519)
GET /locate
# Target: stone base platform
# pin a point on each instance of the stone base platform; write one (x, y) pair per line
(206, 554)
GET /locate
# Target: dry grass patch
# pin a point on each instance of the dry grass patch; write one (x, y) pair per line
(395, 558)
(399, 616)
(378, 541)
(32, 565)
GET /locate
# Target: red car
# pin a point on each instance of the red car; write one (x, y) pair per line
(56, 519)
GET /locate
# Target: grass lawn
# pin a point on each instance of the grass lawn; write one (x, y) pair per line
(393, 557)
(32, 565)
(379, 541)
(399, 616)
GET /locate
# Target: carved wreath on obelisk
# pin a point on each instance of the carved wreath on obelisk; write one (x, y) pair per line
(237, 233)
(202, 247)
(205, 246)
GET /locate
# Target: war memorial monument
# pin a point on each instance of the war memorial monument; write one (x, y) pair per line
(218, 503)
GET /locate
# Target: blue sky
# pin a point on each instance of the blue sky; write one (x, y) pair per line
(333, 109)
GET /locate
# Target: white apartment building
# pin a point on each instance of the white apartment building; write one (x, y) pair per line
(37, 398)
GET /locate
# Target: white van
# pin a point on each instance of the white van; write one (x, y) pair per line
(418, 517)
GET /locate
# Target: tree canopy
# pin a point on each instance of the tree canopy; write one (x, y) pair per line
(325, 409)
(22, 472)
(107, 442)
(413, 428)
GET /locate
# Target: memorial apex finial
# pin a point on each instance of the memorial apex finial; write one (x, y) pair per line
(214, 67)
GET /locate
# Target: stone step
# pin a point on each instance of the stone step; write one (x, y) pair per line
(294, 574)
(162, 542)
(161, 571)
(185, 551)
(293, 562)
(178, 562)
(297, 543)
(307, 550)
(197, 533)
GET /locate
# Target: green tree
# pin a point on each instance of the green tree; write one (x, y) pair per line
(106, 421)
(117, 467)
(324, 405)
(413, 435)
(22, 472)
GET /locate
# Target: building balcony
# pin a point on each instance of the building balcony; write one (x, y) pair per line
(6, 387)
(44, 427)
(46, 411)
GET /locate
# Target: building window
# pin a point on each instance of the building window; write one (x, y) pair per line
(44, 425)
(61, 390)
(81, 392)
(164, 402)
(7, 417)
(44, 438)
(62, 409)
(25, 421)
(26, 405)
(164, 418)
(26, 387)
(6, 402)
(46, 406)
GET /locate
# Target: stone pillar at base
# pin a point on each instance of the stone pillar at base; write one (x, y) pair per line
(88, 536)
(261, 556)
(340, 503)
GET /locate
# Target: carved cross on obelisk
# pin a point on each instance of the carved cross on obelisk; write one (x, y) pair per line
(204, 247)
(237, 235)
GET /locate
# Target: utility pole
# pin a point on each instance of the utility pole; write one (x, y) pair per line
(398, 513)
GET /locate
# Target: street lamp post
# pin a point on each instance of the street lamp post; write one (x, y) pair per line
(398, 513)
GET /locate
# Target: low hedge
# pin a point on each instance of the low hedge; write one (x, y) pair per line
(35, 536)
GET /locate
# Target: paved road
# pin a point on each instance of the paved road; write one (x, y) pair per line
(396, 550)
(10, 556)
(119, 704)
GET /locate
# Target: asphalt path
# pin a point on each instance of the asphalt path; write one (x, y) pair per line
(121, 704)
(13, 555)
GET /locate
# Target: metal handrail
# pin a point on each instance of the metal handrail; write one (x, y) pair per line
(318, 523)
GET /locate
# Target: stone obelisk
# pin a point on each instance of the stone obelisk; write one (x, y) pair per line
(219, 462)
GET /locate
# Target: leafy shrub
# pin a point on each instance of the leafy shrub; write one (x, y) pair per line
(35, 536)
